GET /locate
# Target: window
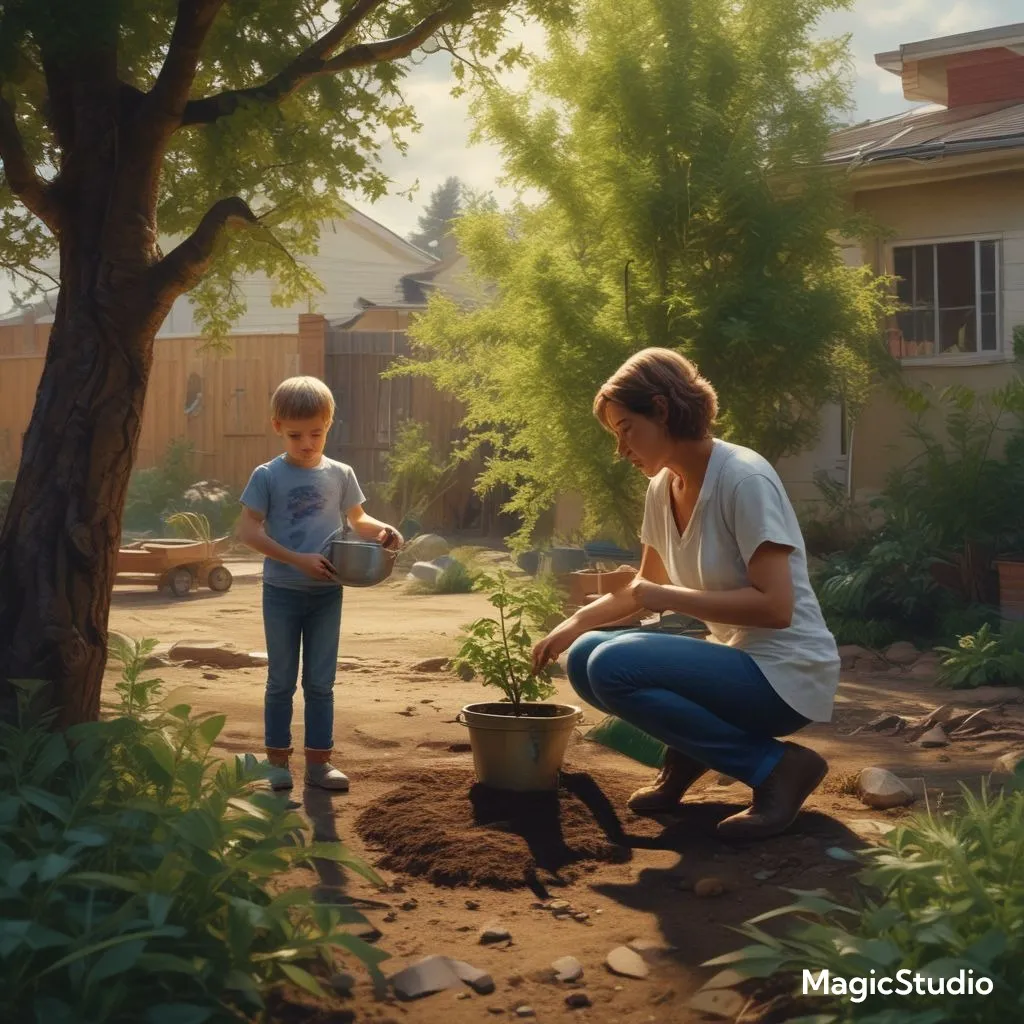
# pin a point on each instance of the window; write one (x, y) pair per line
(949, 294)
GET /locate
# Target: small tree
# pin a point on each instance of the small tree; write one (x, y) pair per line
(678, 150)
(439, 216)
(500, 650)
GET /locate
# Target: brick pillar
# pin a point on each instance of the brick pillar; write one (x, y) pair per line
(312, 343)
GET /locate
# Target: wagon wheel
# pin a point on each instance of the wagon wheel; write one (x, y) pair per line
(180, 581)
(220, 579)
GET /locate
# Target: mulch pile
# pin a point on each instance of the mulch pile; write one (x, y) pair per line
(445, 827)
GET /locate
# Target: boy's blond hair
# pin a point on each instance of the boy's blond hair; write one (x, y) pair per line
(302, 398)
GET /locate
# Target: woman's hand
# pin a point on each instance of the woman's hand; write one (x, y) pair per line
(652, 596)
(558, 641)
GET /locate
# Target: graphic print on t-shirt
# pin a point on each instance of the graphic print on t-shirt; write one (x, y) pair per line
(303, 502)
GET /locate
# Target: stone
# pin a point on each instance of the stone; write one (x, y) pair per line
(425, 572)
(889, 724)
(494, 931)
(721, 779)
(880, 789)
(425, 977)
(559, 905)
(934, 737)
(342, 983)
(581, 916)
(763, 876)
(567, 969)
(409, 905)
(472, 905)
(214, 655)
(624, 961)
(926, 668)
(478, 980)
(649, 949)
(424, 548)
(708, 887)
(577, 1000)
(431, 665)
(496, 1010)
(1010, 763)
(723, 1002)
(975, 722)
(525, 1011)
(901, 653)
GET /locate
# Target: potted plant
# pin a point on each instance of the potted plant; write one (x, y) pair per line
(518, 743)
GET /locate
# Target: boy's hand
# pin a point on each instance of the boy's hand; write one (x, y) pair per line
(390, 539)
(316, 566)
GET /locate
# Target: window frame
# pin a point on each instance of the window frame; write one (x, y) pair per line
(1001, 353)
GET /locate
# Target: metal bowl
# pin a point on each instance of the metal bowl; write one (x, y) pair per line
(361, 563)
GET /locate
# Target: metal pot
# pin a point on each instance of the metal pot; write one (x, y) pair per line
(361, 563)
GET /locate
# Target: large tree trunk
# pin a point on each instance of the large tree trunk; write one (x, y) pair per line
(59, 545)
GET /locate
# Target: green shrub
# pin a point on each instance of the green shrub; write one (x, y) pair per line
(983, 658)
(137, 872)
(152, 492)
(945, 896)
(500, 650)
(455, 579)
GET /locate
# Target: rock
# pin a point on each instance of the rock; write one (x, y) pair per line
(479, 981)
(425, 572)
(934, 737)
(926, 668)
(624, 961)
(721, 779)
(431, 665)
(425, 977)
(409, 905)
(424, 548)
(889, 724)
(558, 905)
(1010, 763)
(577, 1000)
(567, 968)
(472, 905)
(214, 655)
(342, 983)
(970, 725)
(496, 1010)
(581, 916)
(494, 931)
(649, 949)
(707, 887)
(901, 653)
(444, 561)
(763, 876)
(881, 789)
(525, 1011)
(722, 1002)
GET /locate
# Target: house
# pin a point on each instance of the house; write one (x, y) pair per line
(945, 181)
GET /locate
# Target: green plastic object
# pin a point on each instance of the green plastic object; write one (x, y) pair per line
(627, 739)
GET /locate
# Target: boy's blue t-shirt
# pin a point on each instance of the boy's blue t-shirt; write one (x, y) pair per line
(301, 509)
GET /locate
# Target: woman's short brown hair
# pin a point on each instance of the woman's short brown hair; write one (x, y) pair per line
(690, 400)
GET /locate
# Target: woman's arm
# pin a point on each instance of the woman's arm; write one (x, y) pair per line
(766, 603)
(608, 610)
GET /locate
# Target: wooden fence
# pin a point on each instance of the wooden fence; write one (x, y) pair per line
(220, 403)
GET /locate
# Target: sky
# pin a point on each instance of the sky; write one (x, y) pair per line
(442, 148)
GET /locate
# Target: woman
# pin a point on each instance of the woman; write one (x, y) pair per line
(721, 543)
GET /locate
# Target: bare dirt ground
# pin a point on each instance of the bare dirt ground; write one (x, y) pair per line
(392, 720)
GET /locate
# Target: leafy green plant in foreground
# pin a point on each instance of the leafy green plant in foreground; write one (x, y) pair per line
(984, 657)
(136, 872)
(946, 898)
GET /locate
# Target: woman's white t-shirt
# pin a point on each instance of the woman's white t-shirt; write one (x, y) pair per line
(742, 504)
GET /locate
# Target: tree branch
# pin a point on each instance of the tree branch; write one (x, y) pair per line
(315, 61)
(167, 98)
(183, 267)
(33, 191)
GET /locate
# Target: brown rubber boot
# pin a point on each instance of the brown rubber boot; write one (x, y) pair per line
(777, 801)
(678, 774)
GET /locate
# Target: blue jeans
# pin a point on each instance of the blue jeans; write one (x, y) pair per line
(706, 700)
(310, 619)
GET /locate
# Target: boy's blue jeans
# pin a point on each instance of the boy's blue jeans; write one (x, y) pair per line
(703, 699)
(310, 620)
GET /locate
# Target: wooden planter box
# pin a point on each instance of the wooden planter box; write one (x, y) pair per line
(1011, 587)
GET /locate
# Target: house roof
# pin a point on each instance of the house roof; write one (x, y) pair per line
(930, 132)
(1009, 36)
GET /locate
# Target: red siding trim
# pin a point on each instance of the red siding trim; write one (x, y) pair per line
(990, 80)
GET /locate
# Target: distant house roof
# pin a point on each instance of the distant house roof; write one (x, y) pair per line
(1008, 36)
(929, 132)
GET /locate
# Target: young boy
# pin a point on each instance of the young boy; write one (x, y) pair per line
(290, 507)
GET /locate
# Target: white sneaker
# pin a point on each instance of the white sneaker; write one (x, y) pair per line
(326, 776)
(280, 777)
